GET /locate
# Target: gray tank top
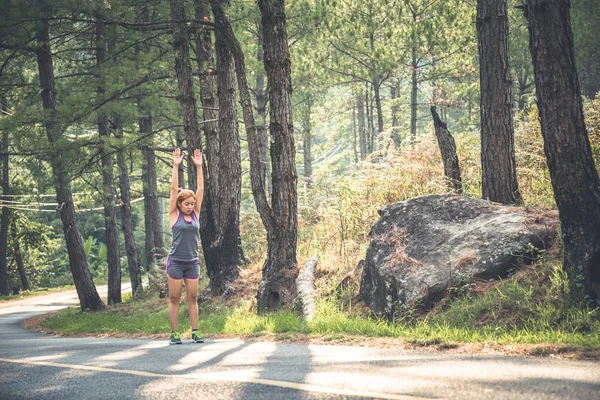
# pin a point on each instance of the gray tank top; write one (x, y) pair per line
(185, 239)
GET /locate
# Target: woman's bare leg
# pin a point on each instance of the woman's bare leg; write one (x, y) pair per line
(191, 290)
(175, 286)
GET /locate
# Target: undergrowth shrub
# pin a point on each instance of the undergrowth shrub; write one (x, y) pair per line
(532, 171)
(537, 299)
(335, 218)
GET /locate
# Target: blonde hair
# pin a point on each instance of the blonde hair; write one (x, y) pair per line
(185, 194)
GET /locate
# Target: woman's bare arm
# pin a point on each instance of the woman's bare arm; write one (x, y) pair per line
(197, 158)
(177, 159)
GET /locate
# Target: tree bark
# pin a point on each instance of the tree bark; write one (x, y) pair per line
(179, 143)
(277, 286)
(369, 115)
(395, 129)
(86, 291)
(362, 134)
(19, 259)
(376, 90)
(210, 104)
(307, 145)
(154, 243)
(498, 165)
(258, 184)
(448, 151)
(108, 182)
(354, 135)
(133, 262)
(226, 226)
(568, 152)
(262, 99)
(376, 136)
(414, 87)
(153, 225)
(187, 100)
(230, 171)
(4, 219)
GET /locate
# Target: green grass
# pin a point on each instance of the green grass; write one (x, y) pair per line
(328, 321)
(141, 317)
(439, 329)
(240, 321)
(527, 309)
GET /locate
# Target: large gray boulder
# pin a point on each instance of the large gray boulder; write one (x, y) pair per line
(419, 247)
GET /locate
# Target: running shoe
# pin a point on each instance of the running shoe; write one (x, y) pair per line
(175, 338)
(196, 338)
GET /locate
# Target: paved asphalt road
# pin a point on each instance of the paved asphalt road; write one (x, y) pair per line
(37, 366)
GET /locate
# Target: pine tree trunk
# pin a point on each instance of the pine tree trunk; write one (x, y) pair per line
(110, 219)
(498, 165)
(277, 286)
(187, 100)
(179, 143)
(448, 151)
(230, 171)
(226, 230)
(153, 225)
(260, 91)
(568, 152)
(86, 291)
(19, 259)
(133, 262)
(362, 134)
(147, 153)
(376, 89)
(376, 136)
(258, 185)
(154, 242)
(210, 105)
(307, 145)
(414, 87)
(108, 182)
(369, 116)
(395, 128)
(149, 209)
(4, 219)
(354, 135)
(21, 269)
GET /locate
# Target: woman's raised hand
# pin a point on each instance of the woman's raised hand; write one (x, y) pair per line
(197, 158)
(177, 157)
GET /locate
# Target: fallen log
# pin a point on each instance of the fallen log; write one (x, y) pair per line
(305, 286)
